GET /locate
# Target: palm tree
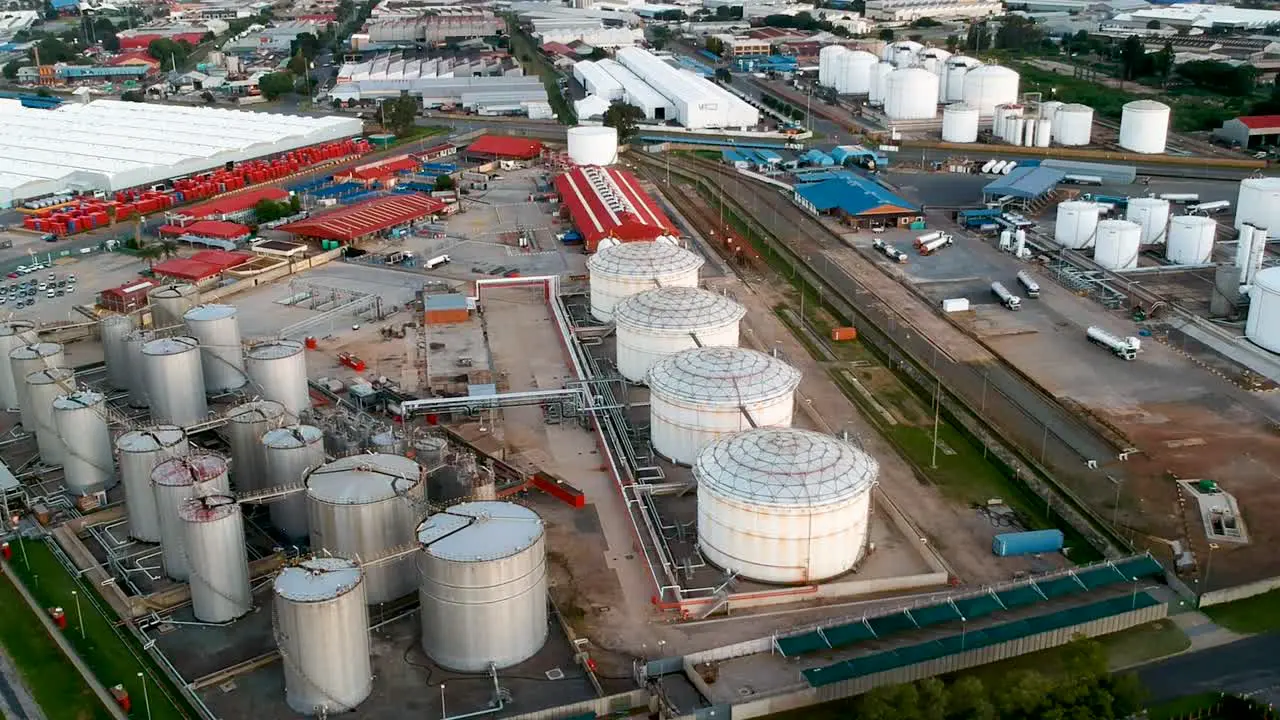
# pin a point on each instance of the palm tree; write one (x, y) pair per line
(151, 253)
(168, 249)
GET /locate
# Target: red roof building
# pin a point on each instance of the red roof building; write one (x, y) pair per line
(1250, 131)
(186, 270)
(222, 259)
(609, 203)
(235, 204)
(375, 171)
(208, 228)
(136, 57)
(367, 218)
(506, 147)
(555, 48)
(140, 41)
(128, 297)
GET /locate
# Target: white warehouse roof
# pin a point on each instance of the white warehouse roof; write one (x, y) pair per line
(699, 103)
(637, 92)
(112, 145)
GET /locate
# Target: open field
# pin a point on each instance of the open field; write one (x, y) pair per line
(1257, 614)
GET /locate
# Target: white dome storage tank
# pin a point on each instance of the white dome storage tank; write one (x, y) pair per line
(953, 77)
(1144, 126)
(13, 334)
(879, 83)
(246, 423)
(1152, 214)
(364, 506)
(1048, 110)
(657, 323)
(278, 371)
(89, 465)
(175, 481)
(1258, 203)
(1191, 239)
(322, 630)
(628, 268)
(902, 54)
(1076, 224)
(483, 589)
(43, 387)
(175, 381)
(912, 94)
(213, 538)
(959, 123)
(1073, 125)
(24, 360)
(699, 395)
(857, 66)
(113, 329)
(1116, 247)
(784, 505)
(291, 451)
(170, 302)
(217, 330)
(593, 145)
(990, 85)
(140, 452)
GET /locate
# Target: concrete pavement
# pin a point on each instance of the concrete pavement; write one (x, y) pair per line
(1244, 667)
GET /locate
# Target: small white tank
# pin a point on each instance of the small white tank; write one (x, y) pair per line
(1117, 245)
(1191, 239)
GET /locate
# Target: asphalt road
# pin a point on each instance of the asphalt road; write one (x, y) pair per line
(1245, 667)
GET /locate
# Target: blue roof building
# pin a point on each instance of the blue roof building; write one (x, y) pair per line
(857, 198)
(817, 157)
(1025, 184)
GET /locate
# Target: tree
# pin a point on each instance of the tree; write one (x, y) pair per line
(659, 36)
(977, 38)
(299, 64)
(924, 22)
(967, 700)
(1221, 78)
(886, 34)
(305, 44)
(53, 50)
(110, 42)
(151, 253)
(274, 85)
(400, 114)
(953, 43)
(444, 182)
(1162, 63)
(714, 45)
(1133, 58)
(722, 75)
(11, 69)
(1018, 33)
(208, 97)
(625, 118)
(169, 52)
(269, 210)
(168, 249)
(1153, 24)
(295, 203)
(133, 96)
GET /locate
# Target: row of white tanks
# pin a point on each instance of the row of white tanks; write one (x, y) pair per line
(1188, 239)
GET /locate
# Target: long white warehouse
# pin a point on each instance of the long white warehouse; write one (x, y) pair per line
(698, 102)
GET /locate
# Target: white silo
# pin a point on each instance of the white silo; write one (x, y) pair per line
(827, 64)
(364, 506)
(175, 481)
(990, 85)
(879, 88)
(213, 538)
(912, 94)
(1016, 127)
(170, 302)
(1001, 120)
(175, 381)
(1263, 325)
(246, 424)
(483, 592)
(43, 387)
(81, 420)
(1258, 204)
(291, 452)
(626, 269)
(959, 123)
(24, 360)
(217, 330)
(1048, 110)
(137, 369)
(1144, 126)
(140, 452)
(953, 77)
(857, 66)
(1116, 247)
(1191, 239)
(592, 145)
(1076, 224)
(113, 329)
(657, 323)
(902, 54)
(13, 334)
(1073, 125)
(699, 395)
(1044, 132)
(322, 630)
(278, 371)
(1152, 214)
(784, 505)
(1029, 137)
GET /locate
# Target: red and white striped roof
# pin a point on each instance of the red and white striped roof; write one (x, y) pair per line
(609, 203)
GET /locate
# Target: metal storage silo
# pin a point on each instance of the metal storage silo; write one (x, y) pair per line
(1048, 110)
(857, 66)
(1077, 223)
(140, 452)
(592, 145)
(13, 334)
(278, 371)
(23, 361)
(175, 481)
(137, 367)
(170, 302)
(827, 64)
(784, 505)
(698, 395)
(879, 89)
(911, 94)
(903, 54)
(1152, 214)
(291, 452)
(1116, 247)
(363, 506)
(321, 619)
(990, 85)
(1191, 239)
(43, 387)
(1044, 132)
(957, 66)
(1073, 125)
(389, 442)
(88, 466)
(217, 330)
(483, 592)
(959, 123)
(213, 538)
(1263, 325)
(113, 329)
(1258, 203)
(626, 269)
(246, 424)
(657, 323)
(1144, 126)
(175, 381)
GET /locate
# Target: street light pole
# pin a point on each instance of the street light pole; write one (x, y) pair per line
(964, 631)
(1134, 605)
(79, 615)
(146, 699)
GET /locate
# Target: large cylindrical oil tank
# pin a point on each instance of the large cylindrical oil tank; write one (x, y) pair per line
(593, 145)
(1263, 325)
(291, 452)
(13, 334)
(879, 88)
(1073, 125)
(1144, 126)
(657, 323)
(990, 85)
(626, 269)
(784, 505)
(175, 381)
(389, 442)
(1116, 247)
(24, 360)
(483, 592)
(278, 371)
(902, 54)
(959, 123)
(140, 452)
(912, 94)
(363, 506)
(1152, 214)
(170, 302)
(175, 481)
(213, 536)
(827, 64)
(1048, 110)
(696, 396)
(113, 329)
(1077, 224)
(1258, 203)
(957, 66)
(81, 418)
(246, 424)
(856, 67)
(1191, 239)
(43, 387)
(137, 367)
(217, 330)
(322, 630)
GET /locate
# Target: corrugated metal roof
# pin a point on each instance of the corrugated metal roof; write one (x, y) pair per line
(608, 202)
(366, 218)
(1260, 122)
(854, 196)
(1026, 182)
(504, 146)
